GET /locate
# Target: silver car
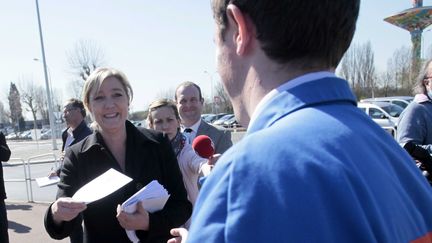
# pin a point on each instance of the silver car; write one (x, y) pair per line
(383, 113)
(402, 101)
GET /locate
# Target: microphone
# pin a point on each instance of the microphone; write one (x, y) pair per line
(203, 146)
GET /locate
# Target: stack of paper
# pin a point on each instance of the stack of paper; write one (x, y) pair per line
(152, 197)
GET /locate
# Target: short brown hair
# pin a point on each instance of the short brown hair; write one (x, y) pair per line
(302, 32)
(187, 84)
(76, 103)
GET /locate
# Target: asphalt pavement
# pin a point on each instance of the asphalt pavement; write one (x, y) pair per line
(26, 218)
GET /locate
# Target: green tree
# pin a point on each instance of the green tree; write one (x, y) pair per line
(15, 106)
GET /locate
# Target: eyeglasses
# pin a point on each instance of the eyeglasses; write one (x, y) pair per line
(69, 109)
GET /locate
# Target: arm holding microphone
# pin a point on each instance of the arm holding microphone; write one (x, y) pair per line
(421, 155)
(204, 147)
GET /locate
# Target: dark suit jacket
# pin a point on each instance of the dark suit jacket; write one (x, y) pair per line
(220, 137)
(149, 156)
(4, 156)
(81, 132)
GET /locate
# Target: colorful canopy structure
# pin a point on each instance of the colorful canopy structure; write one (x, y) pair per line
(412, 19)
(415, 20)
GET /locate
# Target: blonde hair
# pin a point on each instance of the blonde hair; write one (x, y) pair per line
(95, 80)
(161, 103)
(98, 76)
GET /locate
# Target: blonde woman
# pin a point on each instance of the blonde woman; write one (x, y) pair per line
(142, 155)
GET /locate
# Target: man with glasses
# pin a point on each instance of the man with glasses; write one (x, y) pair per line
(77, 129)
(415, 122)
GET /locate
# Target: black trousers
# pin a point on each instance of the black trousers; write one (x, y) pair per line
(4, 237)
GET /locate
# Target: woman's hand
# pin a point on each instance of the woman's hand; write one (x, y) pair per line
(66, 209)
(180, 235)
(139, 220)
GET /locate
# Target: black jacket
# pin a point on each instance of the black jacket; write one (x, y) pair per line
(5, 154)
(148, 157)
(79, 133)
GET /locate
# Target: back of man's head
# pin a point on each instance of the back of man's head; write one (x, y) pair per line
(306, 33)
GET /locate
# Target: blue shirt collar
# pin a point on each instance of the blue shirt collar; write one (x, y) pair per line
(304, 91)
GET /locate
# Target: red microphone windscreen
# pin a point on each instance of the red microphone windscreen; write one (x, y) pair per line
(203, 146)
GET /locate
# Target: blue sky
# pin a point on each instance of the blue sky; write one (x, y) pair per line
(157, 44)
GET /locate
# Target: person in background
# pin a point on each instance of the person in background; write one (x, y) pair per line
(415, 122)
(312, 166)
(77, 129)
(74, 114)
(144, 156)
(189, 101)
(5, 154)
(163, 116)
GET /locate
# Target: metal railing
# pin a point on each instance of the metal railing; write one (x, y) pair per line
(23, 179)
(27, 171)
(30, 179)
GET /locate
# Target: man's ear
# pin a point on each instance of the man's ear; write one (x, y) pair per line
(243, 28)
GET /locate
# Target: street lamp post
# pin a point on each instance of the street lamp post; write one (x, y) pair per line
(211, 90)
(47, 86)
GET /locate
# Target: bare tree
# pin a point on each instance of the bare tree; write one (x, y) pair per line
(41, 101)
(401, 66)
(75, 87)
(222, 100)
(386, 83)
(348, 65)
(83, 59)
(358, 67)
(29, 93)
(166, 94)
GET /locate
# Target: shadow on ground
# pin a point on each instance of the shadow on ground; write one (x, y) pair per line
(18, 207)
(18, 228)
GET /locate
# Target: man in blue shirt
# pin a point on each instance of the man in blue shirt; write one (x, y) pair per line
(312, 166)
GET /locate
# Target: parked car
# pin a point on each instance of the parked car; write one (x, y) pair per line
(402, 101)
(232, 122)
(204, 116)
(384, 114)
(220, 121)
(25, 135)
(210, 118)
(46, 135)
(12, 135)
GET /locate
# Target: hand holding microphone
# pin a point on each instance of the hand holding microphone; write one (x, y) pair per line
(204, 147)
